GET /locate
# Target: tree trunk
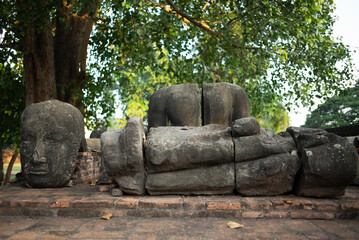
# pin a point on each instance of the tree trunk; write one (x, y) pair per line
(10, 166)
(38, 51)
(71, 41)
(1, 168)
(55, 66)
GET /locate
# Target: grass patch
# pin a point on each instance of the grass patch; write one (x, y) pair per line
(15, 168)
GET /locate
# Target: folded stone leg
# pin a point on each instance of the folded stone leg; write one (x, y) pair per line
(190, 160)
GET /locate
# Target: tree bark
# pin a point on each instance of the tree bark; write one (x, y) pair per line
(55, 65)
(71, 41)
(10, 166)
(1, 168)
(38, 51)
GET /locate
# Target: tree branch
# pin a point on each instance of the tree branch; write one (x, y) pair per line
(201, 24)
(192, 20)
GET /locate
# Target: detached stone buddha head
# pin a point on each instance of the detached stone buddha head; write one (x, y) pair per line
(51, 134)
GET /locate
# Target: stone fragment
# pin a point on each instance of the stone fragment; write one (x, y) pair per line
(263, 145)
(327, 169)
(206, 180)
(104, 188)
(329, 162)
(267, 176)
(355, 141)
(295, 132)
(175, 148)
(178, 105)
(356, 179)
(97, 132)
(51, 133)
(93, 144)
(223, 103)
(116, 192)
(245, 127)
(123, 156)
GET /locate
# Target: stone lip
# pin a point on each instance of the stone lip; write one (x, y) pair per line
(84, 200)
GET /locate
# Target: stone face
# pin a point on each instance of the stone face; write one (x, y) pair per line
(123, 156)
(245, 127)
(207, 180)
(263, 145)
(178, 105)
(223, 103)
(327, 169)
(51, 133)
(267, 176)
(176, 148)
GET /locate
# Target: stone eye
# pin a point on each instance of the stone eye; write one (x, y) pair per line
(27, 139)
(55, 137)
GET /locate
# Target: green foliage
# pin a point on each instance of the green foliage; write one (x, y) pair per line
(276, 119)
(340, 110)
(12, 98)
(12, 86)
(278, 51)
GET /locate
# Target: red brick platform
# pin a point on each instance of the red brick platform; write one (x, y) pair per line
(87, 201)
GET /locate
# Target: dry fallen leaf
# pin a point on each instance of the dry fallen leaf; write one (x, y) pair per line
(234, 225)
(288, 202)
(92, 182)
(106, 216)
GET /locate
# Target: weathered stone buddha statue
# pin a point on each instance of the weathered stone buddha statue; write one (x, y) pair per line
(51, 134)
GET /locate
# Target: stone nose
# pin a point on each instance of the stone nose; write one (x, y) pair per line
(37, 156)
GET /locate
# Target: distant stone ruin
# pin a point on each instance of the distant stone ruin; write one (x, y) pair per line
(230, 153)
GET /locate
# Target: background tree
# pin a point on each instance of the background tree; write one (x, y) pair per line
(12, 89)
(278, 51)
(337, 111)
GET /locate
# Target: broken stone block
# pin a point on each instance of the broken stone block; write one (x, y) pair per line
(97, 132)
(327, 169)
(245, 127)
(329, 162)
(267, 176)
(295, 132)
(175, 148)
(263, 145)
(206, 180)
(123, 156)
(93, 144)
(223, 103)
(178, 105)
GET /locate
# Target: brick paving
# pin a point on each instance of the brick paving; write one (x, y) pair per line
(74, 213)
(84, 200)
(21, 227)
